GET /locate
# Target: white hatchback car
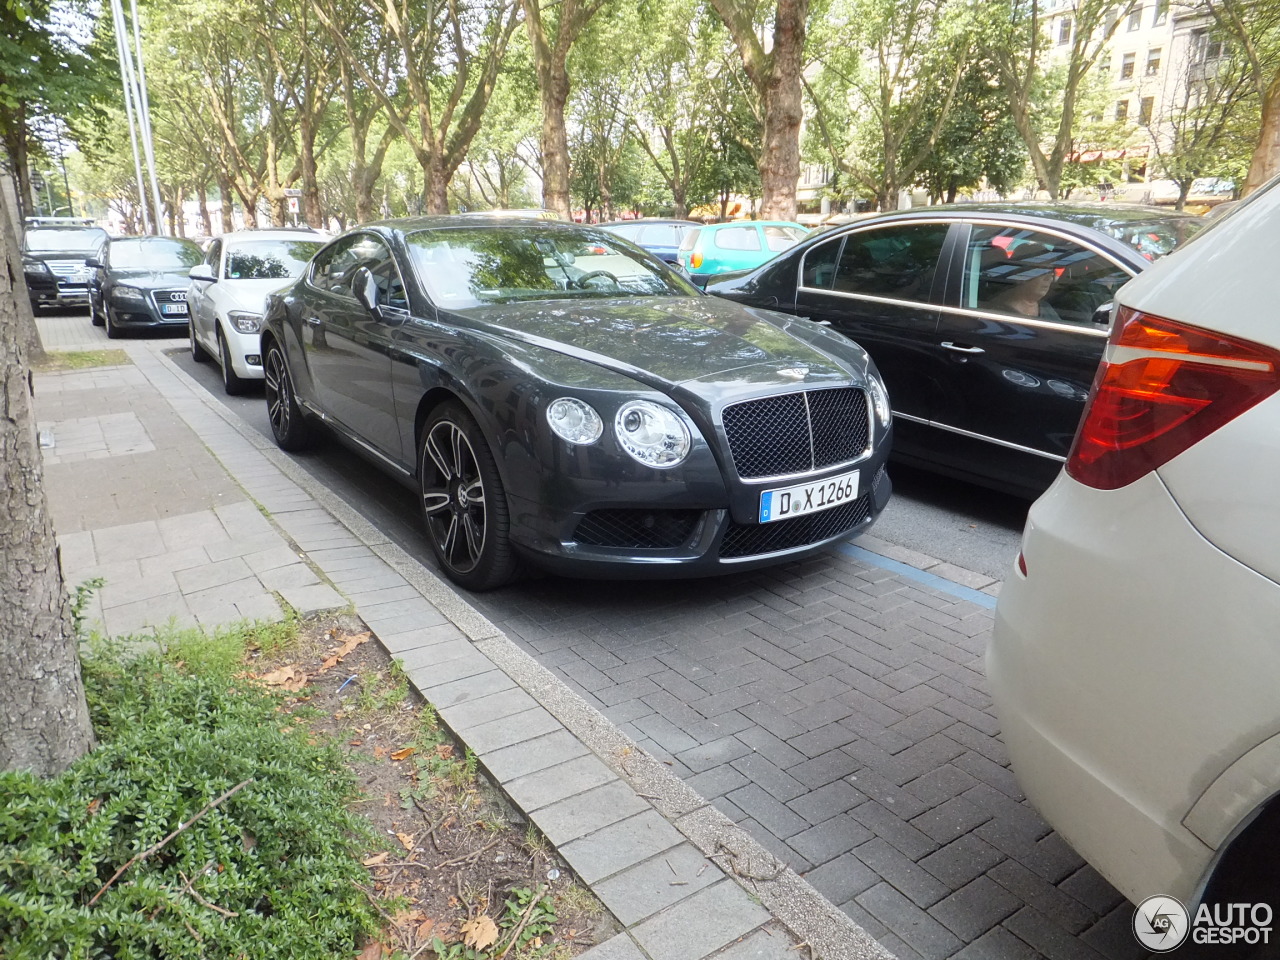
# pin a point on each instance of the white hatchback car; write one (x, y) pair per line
(228, 294)
(1135, 663)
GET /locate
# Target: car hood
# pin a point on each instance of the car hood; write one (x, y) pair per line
(149, 279)
(675, 340)
(81, 255)
(251, 294)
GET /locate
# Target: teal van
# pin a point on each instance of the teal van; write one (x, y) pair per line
(737, 245)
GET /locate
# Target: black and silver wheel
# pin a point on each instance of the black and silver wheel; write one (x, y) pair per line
(114, 332)
(232, 382)
(288, 423)
(198, 353)
(463, 501)
(96, 314)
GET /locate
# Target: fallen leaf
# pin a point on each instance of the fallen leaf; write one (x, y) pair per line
(288, 677)
(480, 933)
(424, 929)
(408, 918)
(406, 839)
(372, 951)
(376, 859)
(444, 750)
(336, 655)
(354, 743)
(379, 752)
(94, 805)
(407, 752)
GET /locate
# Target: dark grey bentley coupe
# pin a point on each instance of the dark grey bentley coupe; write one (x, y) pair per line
(556, 394)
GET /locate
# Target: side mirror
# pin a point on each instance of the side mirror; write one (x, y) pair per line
(94, 263)
(365, 289)
(202, 271)
(1102, 314)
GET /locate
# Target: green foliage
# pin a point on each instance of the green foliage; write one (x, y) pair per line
(541, 915)
(279, 858)
(80, 598)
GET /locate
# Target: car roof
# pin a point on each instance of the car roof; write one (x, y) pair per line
(1098, 216)
(646, 221)
(460, 220)
(274, 233)
(757, 223)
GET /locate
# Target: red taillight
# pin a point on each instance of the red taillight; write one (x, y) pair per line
(1022, 564)
(1163, 387)
(695, 260)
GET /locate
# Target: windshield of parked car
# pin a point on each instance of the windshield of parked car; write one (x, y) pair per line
(470, 266)
(1155, 238)
(153, 254)
(46, 240)
(269, 259)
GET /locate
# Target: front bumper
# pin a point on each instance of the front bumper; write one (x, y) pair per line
(72, 295)
(684, 537)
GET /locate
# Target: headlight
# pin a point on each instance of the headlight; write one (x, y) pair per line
(574, 420)
(126, 293)
(244, 321)
(36, 266)
(652, 434)
(879, 399)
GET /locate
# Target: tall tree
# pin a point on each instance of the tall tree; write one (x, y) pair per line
(44, 720)
(1253, 29)
(1044, 90)
(554, 26)
(776, 76)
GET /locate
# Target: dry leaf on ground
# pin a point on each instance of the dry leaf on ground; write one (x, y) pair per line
(336, 655)
(372, 951)
(480, 933)
(406, 839)
(376, 859)
(403, 754)
(288, 677)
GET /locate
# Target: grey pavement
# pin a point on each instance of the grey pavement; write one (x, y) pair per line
(808, 753)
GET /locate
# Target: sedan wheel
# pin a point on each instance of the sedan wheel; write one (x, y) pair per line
(463, 501)
(232, 382)
(198, 353)
(288, 423)
(96, 313)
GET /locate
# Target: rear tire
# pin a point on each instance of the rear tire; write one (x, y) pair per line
(289, 425)
(232, 382)
(464, 504)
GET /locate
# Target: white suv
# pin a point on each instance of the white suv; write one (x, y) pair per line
(229, 290)
(1135, 663)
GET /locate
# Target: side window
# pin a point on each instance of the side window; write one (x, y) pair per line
(213, 256)
(660, 235)
(778, 239)
(898, 262)
(738, 238)
(331, 271)
(629, 232)
(819, 269)
(1025, 273)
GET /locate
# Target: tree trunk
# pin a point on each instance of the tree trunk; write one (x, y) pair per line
(224, 191)
(44, 720)
(1266, 155)
(15, 145)
(555, 144)
(203, 195)
(783, 113)
(311, 212)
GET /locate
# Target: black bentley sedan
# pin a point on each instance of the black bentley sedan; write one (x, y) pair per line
(141, 283)
(554, 394)
(987, 320)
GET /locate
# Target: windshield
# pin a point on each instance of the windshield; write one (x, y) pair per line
(1155, 238)
(151, 254)
(45, 239)
(469, 266)
(269, 259)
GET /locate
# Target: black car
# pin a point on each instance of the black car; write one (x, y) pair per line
(987, 320)
(553, 395)
(662, 238)
(141, 283)
(42, 285)
(63, 250)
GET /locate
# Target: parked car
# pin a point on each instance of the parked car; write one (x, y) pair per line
(662, 238)
(737, 245)
(552, 395)
(141, 283)
(63, 248)
(986, 384)
(1134, 659)
(42, 285)
(228, 291)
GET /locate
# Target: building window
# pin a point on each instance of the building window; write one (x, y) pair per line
(1206, 46)
(1104, 65)
(1126, 65)
(1064, 30)
(1122, 110)
(1162, 13)
(1153, 62)
(1135, 19)
(1145, 109)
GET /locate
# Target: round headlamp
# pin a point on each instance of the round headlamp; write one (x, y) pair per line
(879, 399)
(652, 434)
(574, 421)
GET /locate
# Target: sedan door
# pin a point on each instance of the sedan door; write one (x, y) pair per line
(879, 286)
(1021, 340)
(346, 346)
(199, 296)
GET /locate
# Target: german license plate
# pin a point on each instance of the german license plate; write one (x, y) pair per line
(783, 503)
(177, 309)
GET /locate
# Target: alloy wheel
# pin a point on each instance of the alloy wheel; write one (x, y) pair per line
(279, 393)
(453, 496)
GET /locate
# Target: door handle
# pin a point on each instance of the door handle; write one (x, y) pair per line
(961, 348)
(312, 319)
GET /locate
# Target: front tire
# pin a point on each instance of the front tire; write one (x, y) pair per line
(232, 382)
(464, 504)
(198, 353)
(288, 423)
(114, 332)
(96, 315)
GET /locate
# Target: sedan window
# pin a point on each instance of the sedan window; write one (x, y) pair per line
(897, 262)
(153, 254)
(737, 238)
(783, 238)
(1026, 273)
(468, 266)
(820, 265)
(660, 235)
